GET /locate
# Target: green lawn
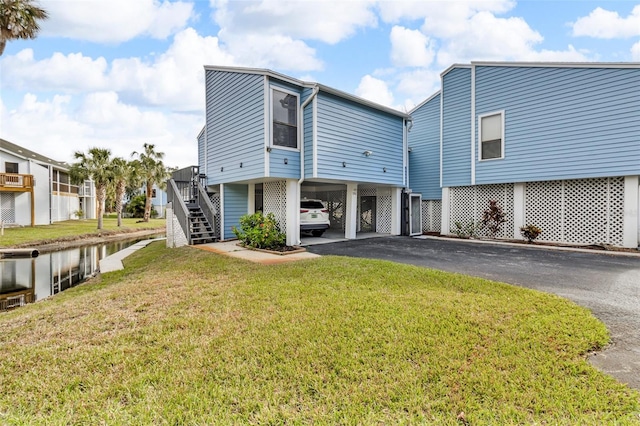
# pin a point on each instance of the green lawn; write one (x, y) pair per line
(72, 229)
(184, 336)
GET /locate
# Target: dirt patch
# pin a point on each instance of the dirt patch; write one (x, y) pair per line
(62, 243)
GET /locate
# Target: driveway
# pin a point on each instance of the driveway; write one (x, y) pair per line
(608, 285)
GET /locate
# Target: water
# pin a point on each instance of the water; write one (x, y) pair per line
(26, 280)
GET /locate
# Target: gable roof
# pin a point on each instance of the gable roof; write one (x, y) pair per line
(301, 83)
(27, 154)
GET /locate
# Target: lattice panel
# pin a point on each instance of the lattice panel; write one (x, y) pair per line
(275, 201)
(215, 200)
(469, 202)
(544, 208)
(7, 208)
(383, 208)
(367, 191)
(431, 215)
(586, 211)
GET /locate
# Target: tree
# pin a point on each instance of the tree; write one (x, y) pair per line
(152, 171)
(94, 165)
(19, 20)
(121, 174)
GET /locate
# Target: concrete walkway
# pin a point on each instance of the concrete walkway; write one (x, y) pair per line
(114, 262)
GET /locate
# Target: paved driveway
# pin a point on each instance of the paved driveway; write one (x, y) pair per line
(606, 284)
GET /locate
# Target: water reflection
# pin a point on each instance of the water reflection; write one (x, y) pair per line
(26, 280)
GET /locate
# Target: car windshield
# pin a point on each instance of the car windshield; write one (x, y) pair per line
(311, 205)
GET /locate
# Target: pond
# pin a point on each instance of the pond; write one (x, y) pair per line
(27, 280)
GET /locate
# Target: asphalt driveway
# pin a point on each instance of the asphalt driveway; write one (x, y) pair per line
(607, 284)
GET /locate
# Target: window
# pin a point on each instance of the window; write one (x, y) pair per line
(10, 167)
(491, 136)
(285, 119)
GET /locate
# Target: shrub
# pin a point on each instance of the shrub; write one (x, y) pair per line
(79, 214)
(530, 232)
(260, 231)
(493, 218)
(467, 230)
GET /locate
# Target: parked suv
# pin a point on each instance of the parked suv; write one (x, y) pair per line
(314, 217)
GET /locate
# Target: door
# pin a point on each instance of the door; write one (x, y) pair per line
(415, 214)
(367, 214)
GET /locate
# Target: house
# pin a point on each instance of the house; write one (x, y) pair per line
(271, 140)
(556, 144)
(36, 190)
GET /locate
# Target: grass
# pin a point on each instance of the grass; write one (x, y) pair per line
(184, 336)
(72, 229)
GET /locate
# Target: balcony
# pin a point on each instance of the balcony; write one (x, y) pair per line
(16, 182)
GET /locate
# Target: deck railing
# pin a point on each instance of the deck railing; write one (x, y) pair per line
(16, 181)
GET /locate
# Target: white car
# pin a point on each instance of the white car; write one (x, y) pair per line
(314, 217)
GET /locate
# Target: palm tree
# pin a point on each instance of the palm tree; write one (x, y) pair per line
(152, 171)
(19, 19)
(94, 165)
(121, 173)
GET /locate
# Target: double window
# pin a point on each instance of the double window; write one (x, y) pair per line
(491, 131)
(284, 111)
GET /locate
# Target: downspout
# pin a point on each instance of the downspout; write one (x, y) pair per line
(316, 89)
(409, 126)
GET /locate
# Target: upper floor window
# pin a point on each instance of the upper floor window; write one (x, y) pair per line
(491, 130)
(285, 119)
(10, 167)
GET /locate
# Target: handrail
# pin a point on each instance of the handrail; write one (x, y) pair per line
(207, 208)
(182, 213)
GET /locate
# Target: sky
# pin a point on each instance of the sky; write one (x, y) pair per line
(120, 73)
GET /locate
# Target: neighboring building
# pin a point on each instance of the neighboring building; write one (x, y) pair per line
(556, 144)
(36, 190)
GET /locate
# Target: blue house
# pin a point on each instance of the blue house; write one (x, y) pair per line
(557, 144)
(271, 140)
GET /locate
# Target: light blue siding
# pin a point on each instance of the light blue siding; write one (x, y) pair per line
(235, 206)
(235, 126)
(456, 125)
(201, 153)
(561, 123)
(346, 130)
(424, 158)
(308, 141)
(277, 166)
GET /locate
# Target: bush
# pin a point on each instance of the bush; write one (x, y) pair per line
(135, 207)
(530, 232)
(493, 218)
(467, 230)
(260, 231)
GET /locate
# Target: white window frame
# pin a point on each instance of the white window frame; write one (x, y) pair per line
(480, 117)
(298, 112)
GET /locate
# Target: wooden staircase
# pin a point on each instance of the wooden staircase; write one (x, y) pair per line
(199, 227)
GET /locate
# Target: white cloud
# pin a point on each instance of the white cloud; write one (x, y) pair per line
(419, 84)
(115, 21)
(374, 90)
(410, 48)
(57, 127)
(601, 23)
(635, 52)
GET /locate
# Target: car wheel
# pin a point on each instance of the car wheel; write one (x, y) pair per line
(317, 233)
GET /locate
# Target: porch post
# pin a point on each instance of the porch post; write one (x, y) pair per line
(396, 216)
(351, 211)
(631, 211)
(293, 212)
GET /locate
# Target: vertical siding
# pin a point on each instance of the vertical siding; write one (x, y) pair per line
(424, 158)
(235, 126)
(562, 123)
(235, 206)
(456, 126)
(346, 130)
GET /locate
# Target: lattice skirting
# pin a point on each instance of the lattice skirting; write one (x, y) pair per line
(7, 207)
(215, 200)
(431, 215)
(275, 201)
(585, 211)
(467, 203)
(382, 209)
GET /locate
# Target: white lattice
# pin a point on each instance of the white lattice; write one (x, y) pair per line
(585, 211)
(215, 200)
(383, 210)
(431, 215)
(7, 207)
(275, 201)
(469, 202)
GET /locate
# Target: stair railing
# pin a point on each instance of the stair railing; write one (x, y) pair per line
(179, 208)
(207, 208)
